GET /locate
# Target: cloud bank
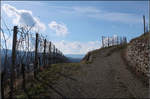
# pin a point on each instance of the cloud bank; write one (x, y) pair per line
(76, 47)
(23, 17)
(60, 29)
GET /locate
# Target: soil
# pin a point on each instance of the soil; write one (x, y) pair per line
(106, 76)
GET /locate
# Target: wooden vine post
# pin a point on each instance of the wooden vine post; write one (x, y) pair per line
(49, 53)
(36, 56)
(144, 23)
(102, 41)
(44, 53)
(23, 76)
(12, 77)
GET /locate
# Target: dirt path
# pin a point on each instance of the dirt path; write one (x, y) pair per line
(105, 77)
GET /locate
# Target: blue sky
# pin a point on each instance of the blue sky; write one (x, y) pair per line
(76, 27)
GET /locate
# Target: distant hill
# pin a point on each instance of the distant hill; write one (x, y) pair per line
(75, 57)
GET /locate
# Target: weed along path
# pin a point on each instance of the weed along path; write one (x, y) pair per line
(105, 77)
(102, 75)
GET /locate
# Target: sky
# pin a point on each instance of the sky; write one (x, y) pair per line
(76, 27)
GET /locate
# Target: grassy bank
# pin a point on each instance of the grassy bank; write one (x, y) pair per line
(46, 78)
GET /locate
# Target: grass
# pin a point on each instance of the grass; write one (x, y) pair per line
(142, 37)
(87, 62)
(97, 51)
(21, 96)
(34, 90)
(116, 48)
(50, 75)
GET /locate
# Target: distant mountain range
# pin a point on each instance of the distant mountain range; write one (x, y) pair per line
(71, 57)
(75, 57)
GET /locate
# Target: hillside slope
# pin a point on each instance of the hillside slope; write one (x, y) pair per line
(102, 73)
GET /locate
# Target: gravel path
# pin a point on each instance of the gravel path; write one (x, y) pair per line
(105, 77)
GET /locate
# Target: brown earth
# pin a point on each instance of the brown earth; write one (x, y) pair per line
(105, 76)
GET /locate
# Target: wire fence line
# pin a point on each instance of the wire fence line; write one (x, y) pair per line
(30, 52)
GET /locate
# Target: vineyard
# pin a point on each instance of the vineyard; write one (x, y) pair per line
(29, 54)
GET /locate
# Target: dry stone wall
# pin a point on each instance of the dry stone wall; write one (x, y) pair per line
(138, 52)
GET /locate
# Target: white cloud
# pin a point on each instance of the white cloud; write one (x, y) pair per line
(93, 12)
(23, 17)
(76, 47)
(59, 28)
